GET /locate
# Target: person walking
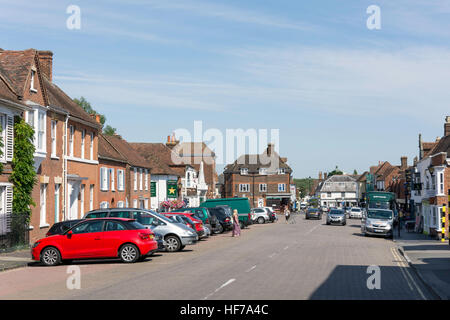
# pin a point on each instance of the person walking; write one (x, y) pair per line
(236, 228)
(399, 223)
(287, 213)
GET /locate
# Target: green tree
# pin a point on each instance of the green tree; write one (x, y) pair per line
(304, 186)
(355, 172)
(23, 176)
(86, 105)
(335, 172)
(109, 131)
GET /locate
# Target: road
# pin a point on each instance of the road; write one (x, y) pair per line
(305, 260)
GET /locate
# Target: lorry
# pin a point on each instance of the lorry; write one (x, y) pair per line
(242, 205)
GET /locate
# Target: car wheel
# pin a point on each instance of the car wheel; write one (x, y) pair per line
(50, 256)
(328, 223)
(129, 253)
(261, 220)
(173, 243)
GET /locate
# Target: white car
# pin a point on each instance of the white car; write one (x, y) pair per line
(355, 213)
(260, 215)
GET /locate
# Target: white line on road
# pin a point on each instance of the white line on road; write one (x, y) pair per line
(251, 269)
(221, 287)
(313, 229)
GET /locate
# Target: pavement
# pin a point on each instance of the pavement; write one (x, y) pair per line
(430, 259)
(15, 259)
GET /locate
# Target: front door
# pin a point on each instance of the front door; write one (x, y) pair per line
(74, 191)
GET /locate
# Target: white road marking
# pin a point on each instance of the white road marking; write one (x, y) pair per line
(313, 229)
(221, 287)
(251, 269)
(285, 248)
(272, 255)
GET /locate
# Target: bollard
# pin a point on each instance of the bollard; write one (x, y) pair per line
(443, 224)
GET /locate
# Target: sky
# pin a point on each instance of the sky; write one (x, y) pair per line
(339, 93)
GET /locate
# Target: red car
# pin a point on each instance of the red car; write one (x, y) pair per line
(97, 238)
(198, 224)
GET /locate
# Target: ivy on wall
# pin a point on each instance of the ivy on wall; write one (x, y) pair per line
(23, 175)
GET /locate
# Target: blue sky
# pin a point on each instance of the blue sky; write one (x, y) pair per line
(339, 93)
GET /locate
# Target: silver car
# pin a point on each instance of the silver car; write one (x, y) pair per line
(259, 215)
(176, 235)
(355, 212)
(336, 216)
(378, 222)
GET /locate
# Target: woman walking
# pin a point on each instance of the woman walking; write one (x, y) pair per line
(287, 213)
(236, 227)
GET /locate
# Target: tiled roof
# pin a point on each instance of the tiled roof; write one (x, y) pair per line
(127, 151)
(15, 66)
(255, 161)
(443, 145)
(159, 156)
(107, 151)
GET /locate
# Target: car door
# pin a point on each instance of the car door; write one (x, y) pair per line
(114, 235)
(85, 240)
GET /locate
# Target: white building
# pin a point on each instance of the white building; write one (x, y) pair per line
(339, 191)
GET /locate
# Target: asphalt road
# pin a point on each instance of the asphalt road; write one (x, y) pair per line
(305, 260)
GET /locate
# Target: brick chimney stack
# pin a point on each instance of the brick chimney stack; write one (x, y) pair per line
(270, 149)
(447, 126)
(404, 163)
(320, 175)
(46, 63)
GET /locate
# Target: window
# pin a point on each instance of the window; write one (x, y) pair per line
(146, 203)
(43, 204)
(71, 134)
(262, 170)
(83, 136)
(104, 205)
(120, 204)
(342, 194)
(281, 171)
(91, 147)
(114, 226)
(41, 131)
(33, 76)
(82, 200)
(135, 203)
(441, 182)
(104, 179)
(87, 227)
(146, 179)
(244, 187)
(135, 179)
(57, 188)
(120, 214)
(91, 197)
(140, 179)
(329, 194)
(244, 171)
(120, 180)
(113, 181)
(53, 136)
(262, 187)
(281, 187)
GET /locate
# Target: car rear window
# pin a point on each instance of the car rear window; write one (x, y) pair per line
(219, 212)
(135, 225)
(96, 215)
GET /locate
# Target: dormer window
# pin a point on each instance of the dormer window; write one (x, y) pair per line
(33, 75)
(244, 171)
(281, 171)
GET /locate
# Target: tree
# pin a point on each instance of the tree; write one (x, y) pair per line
(335, 172)
(355, 172)
(304, 186)
(86, 105)
(23, 175)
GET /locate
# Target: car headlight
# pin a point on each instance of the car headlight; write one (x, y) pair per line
(388, 226)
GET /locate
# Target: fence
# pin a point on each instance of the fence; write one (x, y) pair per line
(14, 231)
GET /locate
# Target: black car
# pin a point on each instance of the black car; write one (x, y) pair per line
(61, 227)
(225, 222)
(313, 213)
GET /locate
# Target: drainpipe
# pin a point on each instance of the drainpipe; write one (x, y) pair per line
(64, 193)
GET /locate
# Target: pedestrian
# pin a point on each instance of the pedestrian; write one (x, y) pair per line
(236, 228)
(287, 213)
(399, 223)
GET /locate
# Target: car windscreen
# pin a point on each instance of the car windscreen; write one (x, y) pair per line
(159, 215)
(379, 214)
(336, 212)
(313, 210)
(356, 209)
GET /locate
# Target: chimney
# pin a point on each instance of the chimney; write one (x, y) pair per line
(171, 141)
(97, 118)
(404, 163)
(46, 63)
(269, 149)
(325, 176)
(320, 175)
(447, 126)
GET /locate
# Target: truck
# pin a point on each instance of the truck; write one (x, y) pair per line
(382, 200)
(242, 205)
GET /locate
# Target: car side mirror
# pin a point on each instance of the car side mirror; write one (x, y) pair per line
(69, 234)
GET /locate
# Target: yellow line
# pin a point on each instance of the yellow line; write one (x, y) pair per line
(404, 265)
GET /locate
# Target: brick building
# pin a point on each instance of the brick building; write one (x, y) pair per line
(263, 178)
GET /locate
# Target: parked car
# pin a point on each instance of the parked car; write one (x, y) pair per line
(212, 223)
(125, 239)
(378, 222)
(62, 226)
(176, 235)
(313, 213)
(260, 215)
(303, 205)
(225, 220)
(336, 216)
(242, 205)
(356, 212)
(196, 226)
(272, 214)
(324, 209)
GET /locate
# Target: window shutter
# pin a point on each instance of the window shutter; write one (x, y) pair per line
(8, 206)
(9, 145)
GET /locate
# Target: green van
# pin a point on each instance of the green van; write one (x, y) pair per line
(242, 205)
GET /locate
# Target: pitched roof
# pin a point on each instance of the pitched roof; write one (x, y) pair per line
(15, 66)
(107, 151)
(255, 161)
(127, 151)
(443, 145)
(193, 149)
(159, 156)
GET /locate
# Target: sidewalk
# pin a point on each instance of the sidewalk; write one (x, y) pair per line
(430, 258)
(15, 259)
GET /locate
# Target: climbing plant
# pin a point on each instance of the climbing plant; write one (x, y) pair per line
(23, 175)
(1, 149)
